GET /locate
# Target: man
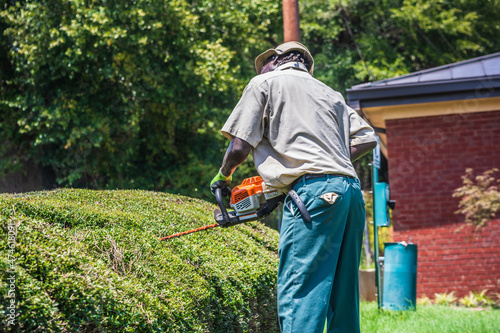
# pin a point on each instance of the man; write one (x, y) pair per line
(304, 137)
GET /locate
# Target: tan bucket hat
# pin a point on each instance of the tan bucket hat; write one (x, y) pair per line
(281, 49)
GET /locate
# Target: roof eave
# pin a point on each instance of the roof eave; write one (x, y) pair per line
(481, 87)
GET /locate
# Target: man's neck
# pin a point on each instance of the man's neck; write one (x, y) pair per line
(292, 64)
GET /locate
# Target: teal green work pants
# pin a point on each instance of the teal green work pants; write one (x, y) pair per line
(319, 261)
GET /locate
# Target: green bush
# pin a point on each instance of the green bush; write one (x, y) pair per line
(92, 261)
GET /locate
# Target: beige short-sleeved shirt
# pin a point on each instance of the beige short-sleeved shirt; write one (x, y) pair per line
(296, 125)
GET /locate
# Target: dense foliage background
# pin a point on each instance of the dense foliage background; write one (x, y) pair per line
(132, 94)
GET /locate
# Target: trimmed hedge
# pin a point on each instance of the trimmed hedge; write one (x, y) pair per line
(92, 261)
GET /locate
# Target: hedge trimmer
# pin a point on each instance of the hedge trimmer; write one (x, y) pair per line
(251, 201)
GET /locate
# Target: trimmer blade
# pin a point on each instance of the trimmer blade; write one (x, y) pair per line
(217, 215)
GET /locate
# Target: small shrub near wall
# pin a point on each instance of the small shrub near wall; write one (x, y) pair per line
(480, 197)
(473, 299)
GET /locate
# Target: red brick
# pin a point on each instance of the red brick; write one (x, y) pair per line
(428, 156)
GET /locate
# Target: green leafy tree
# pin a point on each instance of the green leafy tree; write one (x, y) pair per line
(125, 94)
(366, 40)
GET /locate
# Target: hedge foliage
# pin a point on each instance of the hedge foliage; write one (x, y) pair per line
(92, 261)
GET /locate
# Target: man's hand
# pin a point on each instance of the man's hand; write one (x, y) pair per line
(236, 153)
(222, 182)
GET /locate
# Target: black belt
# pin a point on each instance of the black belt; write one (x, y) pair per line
(309, 176)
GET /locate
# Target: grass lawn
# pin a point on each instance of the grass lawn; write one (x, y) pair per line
(429, 318)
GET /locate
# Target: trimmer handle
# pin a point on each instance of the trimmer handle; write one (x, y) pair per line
(220, 203)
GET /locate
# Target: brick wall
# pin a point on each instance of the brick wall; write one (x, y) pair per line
(454, 259)
(427, 157)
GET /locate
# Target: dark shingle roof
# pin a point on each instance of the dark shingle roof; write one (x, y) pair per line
(484, 66)
(438, 83)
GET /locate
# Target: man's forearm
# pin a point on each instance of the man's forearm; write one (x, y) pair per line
(236, 153)
(362, 149)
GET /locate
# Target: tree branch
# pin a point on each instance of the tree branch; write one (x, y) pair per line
(346, 21)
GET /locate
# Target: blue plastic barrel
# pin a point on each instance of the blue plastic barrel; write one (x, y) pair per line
(399, 277)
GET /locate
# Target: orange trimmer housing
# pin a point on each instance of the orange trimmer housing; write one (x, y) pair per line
(250, 186)
(252, 200)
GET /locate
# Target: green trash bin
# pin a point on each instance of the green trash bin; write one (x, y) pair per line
(399, 277)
